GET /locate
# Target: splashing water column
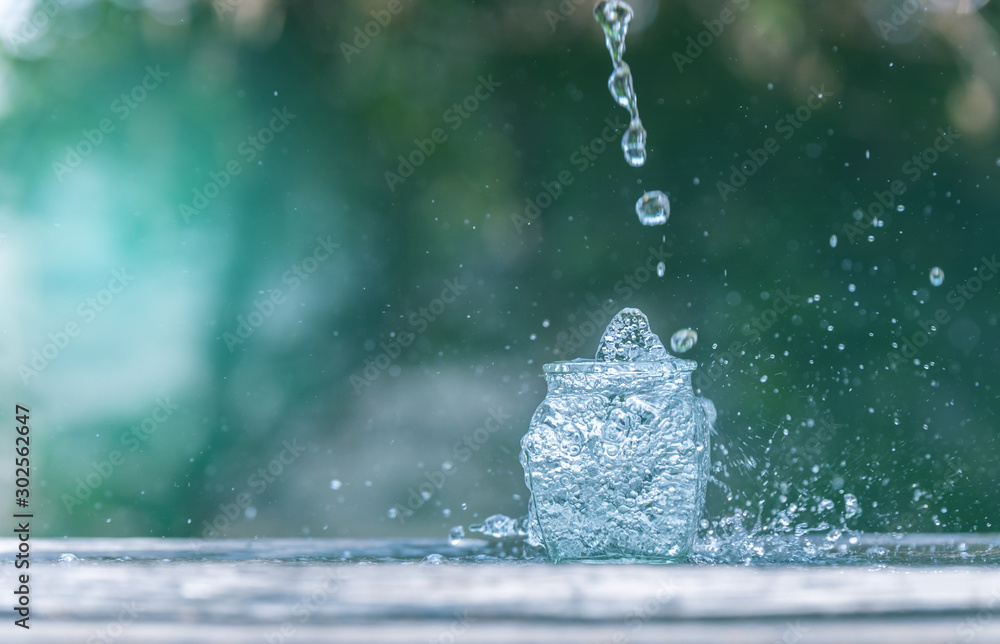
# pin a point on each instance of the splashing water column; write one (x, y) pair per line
(616, 456)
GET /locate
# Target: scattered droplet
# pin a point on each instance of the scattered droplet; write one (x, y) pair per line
(937, 276)
(498, 526)
(653, 208)
(833, 241)
(683, 340)
(68, 559)
(661, 269)
(432, 560)
(335, 484)
(851, 507)
(456, 534)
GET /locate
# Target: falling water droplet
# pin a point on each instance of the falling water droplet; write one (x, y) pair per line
(620, 86)
(682, 341)
(833, 241)
(937, 276)
(614, 17)
(456, 534)
(653, 208)
(851, 507)
(634, 143)
(661, 269)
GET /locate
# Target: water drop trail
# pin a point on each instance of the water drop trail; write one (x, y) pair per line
(614, 17)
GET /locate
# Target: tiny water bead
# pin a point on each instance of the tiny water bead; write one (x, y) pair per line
(456, 534)
(661, 269)
(653, 208)
(833, 241)
(684, 340)
(937, 276)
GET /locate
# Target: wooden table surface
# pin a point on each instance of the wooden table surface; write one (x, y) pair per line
(292, 590)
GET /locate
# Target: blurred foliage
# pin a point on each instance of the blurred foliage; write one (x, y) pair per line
(915, 440)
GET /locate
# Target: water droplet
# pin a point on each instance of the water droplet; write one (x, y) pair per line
(937, 276)
(683, 340)
(851, 507)
(634, 143)
(620, 86)
(432, 560)
(335, 484)
(392, 513)
(833, 241)
(68, 559)
(653, 208)
(628, 337)
(614, 17)
(545, 323)
(456, 534)
(661, 269)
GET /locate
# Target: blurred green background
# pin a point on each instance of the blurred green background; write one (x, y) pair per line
(204, 259)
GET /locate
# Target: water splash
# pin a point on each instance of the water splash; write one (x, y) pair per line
(628, 337)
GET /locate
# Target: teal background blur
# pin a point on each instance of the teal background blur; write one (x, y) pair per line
(233, 373)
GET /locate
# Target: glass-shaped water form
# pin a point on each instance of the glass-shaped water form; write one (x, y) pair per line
(616, 457)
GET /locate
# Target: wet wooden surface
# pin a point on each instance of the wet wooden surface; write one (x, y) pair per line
(257, 592)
